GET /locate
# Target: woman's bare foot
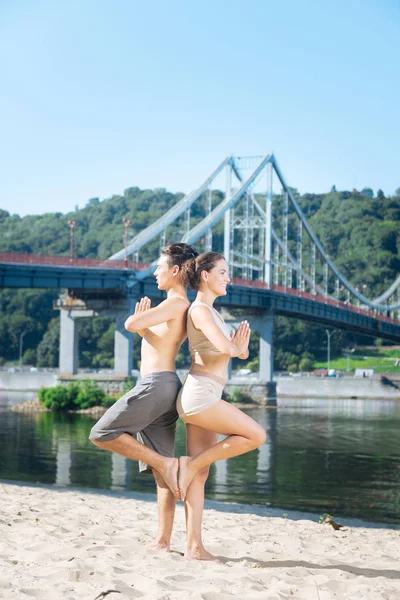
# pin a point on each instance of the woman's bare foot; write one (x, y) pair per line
(199, 553)
(170, 475)
(161, 545)
(186, 475)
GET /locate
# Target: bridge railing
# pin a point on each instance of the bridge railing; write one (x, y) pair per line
(92, 263)
(314, 297)
(65, 261)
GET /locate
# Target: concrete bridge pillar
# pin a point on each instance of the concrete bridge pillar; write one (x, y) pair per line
(69, 339)
(123, 347)
(266, 329)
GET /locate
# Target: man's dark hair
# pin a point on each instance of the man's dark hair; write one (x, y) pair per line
(179, 253)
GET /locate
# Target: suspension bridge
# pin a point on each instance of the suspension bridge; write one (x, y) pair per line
(278, 267)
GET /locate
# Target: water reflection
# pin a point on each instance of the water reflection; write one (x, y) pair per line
(321, 456)
(64, 462)
(119, 472)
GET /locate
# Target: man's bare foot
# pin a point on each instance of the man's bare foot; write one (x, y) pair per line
(170, 475)
(199, 553)
(186, 475)
(161, 545)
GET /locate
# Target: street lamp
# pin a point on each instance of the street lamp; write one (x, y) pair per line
(347, 352)
(21, 337)
(126, 223)
(329, 334)
(71, 224)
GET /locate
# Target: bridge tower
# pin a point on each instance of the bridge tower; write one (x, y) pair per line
(246, 215)
(248, 248)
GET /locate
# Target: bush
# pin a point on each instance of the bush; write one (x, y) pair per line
(129, 384)
(89, 394)
(74, 396)
(253, 365)
(56, 398)
(108, 401)
(237, 396)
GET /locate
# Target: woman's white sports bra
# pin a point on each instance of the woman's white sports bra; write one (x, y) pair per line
(198, 342)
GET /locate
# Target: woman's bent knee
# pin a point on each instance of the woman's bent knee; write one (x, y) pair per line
(259, 437)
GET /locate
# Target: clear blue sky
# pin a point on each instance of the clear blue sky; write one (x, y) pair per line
(98, 96)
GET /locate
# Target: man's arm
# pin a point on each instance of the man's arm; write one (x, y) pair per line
(149, 317)
(141, 306)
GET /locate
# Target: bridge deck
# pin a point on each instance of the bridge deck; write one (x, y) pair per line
(93, 277)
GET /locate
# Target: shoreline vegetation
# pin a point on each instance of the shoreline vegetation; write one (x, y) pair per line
(87, 397)
(81, 397)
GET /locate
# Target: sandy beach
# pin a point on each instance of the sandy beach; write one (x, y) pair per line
(75, 544)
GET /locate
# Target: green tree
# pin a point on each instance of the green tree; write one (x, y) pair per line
(306, 364)
(48, 349)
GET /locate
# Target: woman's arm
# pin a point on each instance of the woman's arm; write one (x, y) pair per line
(244, 355)
(148, 317)
(237, 345)
(242, 337)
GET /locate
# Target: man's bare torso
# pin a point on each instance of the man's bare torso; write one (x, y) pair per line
(161, 342)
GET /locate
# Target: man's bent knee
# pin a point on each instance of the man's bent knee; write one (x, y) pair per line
(104, 444)
(100, 444)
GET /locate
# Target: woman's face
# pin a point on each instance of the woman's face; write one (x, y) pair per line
(218, 278)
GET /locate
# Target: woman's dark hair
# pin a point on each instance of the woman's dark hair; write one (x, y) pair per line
(178, 254)
(191, 270)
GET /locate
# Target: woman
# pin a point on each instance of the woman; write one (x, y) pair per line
(199, 402)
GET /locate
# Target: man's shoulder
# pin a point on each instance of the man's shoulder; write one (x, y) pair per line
(179, 304)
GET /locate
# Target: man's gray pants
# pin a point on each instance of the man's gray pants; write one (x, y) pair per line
(147, 411)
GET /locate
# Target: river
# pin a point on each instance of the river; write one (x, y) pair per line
(340, 457)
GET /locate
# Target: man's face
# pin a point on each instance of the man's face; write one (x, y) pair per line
(163, 273)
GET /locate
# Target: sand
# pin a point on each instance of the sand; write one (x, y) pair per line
(77, 545)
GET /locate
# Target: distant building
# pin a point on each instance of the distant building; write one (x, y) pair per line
(363, 372)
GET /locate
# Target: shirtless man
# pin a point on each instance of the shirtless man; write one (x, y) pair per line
(149, 409)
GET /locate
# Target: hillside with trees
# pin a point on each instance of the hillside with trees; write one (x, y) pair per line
(359, 230)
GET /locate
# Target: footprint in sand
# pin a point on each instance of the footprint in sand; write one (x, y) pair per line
(38, 593)
(180, 578)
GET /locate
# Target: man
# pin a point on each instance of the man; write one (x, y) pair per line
(149, 409)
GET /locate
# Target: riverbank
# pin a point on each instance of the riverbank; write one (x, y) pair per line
(61, 543)
(374, 388)
(33, 406)
(307, 386)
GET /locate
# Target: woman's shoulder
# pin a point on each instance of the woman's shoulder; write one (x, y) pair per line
(200, 312)
(199, 304)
